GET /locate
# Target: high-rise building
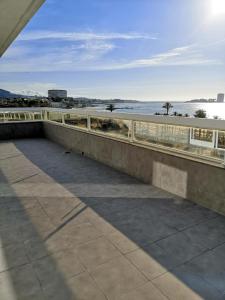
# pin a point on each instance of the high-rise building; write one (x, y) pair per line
(57, 94)
(220, 98)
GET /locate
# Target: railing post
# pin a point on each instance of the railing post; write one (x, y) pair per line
(45, 115)
(224, 159)
(132, 131)
(63, 118)
(89, 123)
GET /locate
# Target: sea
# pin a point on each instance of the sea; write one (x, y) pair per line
(150, 108)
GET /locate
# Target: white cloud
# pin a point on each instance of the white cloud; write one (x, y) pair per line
(24, 58)
(89, 57)
(81, 36)
(93, 50)
(96, 45)
(182, 56)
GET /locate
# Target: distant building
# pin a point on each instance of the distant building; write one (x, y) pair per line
(56, 104)
(57, 94)
(220, 98)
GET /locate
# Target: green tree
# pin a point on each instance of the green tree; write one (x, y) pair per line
(167, 106)
(200, 113)
(110, 107)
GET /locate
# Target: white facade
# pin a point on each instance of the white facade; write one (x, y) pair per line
(220, 98)
(57, 94)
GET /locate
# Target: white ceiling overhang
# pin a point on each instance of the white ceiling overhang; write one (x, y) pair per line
(14, 15)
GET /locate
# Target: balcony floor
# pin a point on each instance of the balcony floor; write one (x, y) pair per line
(72, 228)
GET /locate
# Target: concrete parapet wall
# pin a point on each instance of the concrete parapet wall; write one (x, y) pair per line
(16, 130)
(199, 182)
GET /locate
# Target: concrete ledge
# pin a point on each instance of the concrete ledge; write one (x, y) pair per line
(199, 182)
(17, 130)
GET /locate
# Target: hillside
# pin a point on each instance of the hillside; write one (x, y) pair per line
(7, 94)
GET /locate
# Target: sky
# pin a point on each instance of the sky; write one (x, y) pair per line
(151, 50)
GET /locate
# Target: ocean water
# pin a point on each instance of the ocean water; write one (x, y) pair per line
(212, 109)
(150, 108)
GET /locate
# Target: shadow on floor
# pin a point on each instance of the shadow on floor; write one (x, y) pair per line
(23, 223)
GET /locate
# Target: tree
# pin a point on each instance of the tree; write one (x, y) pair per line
(200, 113)
(167, 106)
(110, 107)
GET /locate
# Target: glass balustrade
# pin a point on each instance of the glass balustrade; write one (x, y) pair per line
(20, 116)
(199, 141)
(194, 140)
(75, 120)
(54, 116)
(221, 140)
(110, 126)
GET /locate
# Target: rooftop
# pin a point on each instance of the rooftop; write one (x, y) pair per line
(73, 228)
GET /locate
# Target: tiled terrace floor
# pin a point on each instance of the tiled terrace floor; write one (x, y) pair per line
(72, 228)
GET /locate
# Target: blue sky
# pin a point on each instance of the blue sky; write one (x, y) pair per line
(131, 49)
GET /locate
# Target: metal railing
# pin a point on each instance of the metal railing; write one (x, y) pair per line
(199, 138)
(19, 116)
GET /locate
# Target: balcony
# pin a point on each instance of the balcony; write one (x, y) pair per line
(93, 207)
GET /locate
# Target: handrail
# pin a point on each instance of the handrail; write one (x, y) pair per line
(170, 120)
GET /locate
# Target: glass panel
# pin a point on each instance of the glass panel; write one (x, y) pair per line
(20, 116)
(74, 120)
(29, 116)
(42, 114)
(115, 127)
(1, 117)
(6, 116)
(221, 139)
(166, 135)
(14, 117)
(202, 135)
(55, 116)
(37, 116)
(177, 137)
